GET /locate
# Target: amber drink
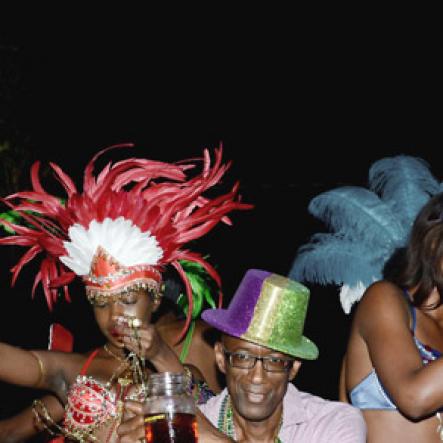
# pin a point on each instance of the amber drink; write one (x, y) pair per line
(169, 410)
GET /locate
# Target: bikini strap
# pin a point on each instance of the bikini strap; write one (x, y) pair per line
(88, 362)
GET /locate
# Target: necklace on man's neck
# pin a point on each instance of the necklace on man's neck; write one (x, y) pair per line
(225, 421)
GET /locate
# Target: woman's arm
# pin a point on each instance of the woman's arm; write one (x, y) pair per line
(48, 370)
(24, 425)
(21, 367)
(342, 395)
(201, 350)
(382, 320)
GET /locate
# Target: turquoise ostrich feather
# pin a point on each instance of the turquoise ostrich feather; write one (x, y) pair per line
(333, 259)
(358, 214)
(366, 226)
(404, 183)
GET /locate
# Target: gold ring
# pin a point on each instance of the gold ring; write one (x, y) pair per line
(136, 323)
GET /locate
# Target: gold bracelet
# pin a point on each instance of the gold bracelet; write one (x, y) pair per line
(37, 419)
(42, 416)
(41, 367)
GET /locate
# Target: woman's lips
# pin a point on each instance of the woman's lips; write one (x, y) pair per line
(114, 333)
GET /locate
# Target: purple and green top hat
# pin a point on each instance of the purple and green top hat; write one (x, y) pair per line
(269, 310)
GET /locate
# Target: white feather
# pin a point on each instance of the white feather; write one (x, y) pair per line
(120, 238)
(350, 295)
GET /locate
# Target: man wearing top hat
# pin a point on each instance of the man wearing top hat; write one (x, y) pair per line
(260, 349)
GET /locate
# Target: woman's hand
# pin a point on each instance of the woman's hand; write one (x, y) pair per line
(141, 339)
(132, 428)
(145, 341)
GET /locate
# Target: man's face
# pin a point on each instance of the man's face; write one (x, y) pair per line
(255, 393)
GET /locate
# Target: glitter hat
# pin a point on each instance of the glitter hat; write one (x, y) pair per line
(269, 310)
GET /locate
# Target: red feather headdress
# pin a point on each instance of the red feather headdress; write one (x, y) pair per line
(132, 219)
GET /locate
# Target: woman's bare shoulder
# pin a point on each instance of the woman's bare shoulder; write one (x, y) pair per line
(381, 293)
(382, 301)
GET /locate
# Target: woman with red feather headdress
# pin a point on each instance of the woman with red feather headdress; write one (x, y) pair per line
(131, 220)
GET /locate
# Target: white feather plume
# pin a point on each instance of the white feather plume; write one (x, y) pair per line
(351, 294)
(120, 238)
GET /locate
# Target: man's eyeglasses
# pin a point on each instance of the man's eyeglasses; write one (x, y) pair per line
(242, 360)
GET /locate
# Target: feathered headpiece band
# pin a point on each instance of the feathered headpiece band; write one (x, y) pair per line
(131, 219)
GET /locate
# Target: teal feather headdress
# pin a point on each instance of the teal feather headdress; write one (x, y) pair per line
(367, 225)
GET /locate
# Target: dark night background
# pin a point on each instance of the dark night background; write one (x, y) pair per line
(303, 101)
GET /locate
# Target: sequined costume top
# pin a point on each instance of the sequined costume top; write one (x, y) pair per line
(91, 405)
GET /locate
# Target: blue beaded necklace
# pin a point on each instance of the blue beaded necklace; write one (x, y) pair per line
(225, 422)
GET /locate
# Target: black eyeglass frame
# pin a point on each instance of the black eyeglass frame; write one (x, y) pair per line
(264, 361)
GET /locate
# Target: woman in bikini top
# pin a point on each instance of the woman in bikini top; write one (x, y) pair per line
(392, 369)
